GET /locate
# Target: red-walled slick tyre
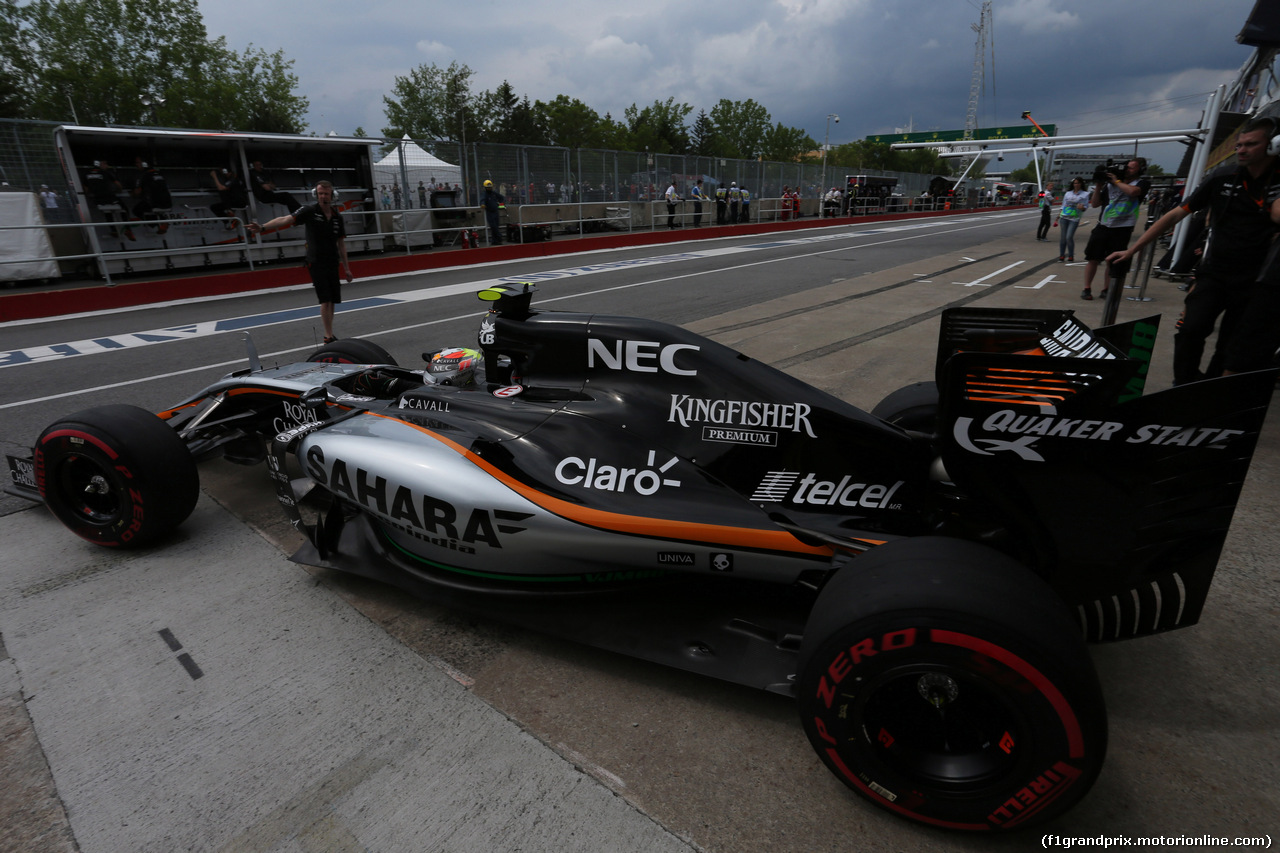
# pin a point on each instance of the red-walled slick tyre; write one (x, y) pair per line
(946, 683)
(352, 351)
(116, 475)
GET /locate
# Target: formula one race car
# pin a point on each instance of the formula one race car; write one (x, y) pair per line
(922, 578)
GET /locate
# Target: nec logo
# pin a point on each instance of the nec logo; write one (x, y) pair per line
(638, 356)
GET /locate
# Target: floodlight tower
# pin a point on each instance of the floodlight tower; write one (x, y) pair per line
(979, 69)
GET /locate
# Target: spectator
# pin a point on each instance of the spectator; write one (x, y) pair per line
(422, 195)
(49, 200)
(1046, 212)
(1075, 202)
(831, 202)
(326, 248)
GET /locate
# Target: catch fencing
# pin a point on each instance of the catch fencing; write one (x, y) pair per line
(415, 193)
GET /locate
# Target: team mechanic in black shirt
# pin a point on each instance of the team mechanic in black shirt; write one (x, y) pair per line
(1241, 201)
(326, 246)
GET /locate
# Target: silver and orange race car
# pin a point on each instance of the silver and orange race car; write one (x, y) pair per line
(922, 578)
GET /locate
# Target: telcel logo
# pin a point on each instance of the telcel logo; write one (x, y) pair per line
(590, 474)
(638, 356)
(776, 487)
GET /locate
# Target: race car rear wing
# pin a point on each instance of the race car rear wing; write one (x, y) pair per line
(1124, 499)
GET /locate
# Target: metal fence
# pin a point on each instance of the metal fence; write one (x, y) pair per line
(555, 190)
(29, 161)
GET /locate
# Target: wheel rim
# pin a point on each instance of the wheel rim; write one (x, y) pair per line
(941, 727)
(89, 489)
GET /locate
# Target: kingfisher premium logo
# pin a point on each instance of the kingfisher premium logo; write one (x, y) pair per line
(740, 421)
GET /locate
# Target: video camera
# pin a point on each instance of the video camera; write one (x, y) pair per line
(1110, 169)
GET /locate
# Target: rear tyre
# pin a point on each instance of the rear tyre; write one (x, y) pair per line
(352, 351)
(116, 475)
(944, 682)
(913, 407)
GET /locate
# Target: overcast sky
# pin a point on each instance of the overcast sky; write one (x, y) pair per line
(1084, 65)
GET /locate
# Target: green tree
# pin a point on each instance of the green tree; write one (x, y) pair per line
(924, 161)
(12, 104)
(613, 134)
(12, 61)
(786, 144)
(133, 62)
(433, 103)
(658, 128)
(571, 123)
(740, 127)
(502, 116)
(266, 103)
(703, 141)
(1027, 174)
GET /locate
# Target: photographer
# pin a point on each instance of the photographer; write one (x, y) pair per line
(1241, 203)
(1119, 191)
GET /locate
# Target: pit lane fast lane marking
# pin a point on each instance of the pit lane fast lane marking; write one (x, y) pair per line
(189, 331)
(981, 281)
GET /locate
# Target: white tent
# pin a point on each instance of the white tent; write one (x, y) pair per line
(29, 250)
(408, 164)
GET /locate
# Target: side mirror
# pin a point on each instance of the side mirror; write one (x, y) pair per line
(315, 398)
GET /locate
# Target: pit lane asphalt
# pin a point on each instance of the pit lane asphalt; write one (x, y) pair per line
(334, 713)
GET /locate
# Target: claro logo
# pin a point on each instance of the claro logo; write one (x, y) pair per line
(638, 356)
(590, 474)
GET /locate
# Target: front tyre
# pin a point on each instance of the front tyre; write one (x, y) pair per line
(116, 475)
(352, 351)
(944, 682)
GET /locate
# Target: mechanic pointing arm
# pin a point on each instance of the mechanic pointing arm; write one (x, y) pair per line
(326, 247)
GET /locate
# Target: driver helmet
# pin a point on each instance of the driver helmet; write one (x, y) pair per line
(454, 366)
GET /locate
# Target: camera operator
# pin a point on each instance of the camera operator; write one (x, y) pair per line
(1241, 203)
(1119, 191)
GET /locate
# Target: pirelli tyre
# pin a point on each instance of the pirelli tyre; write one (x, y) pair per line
(352, 351)
(116, 475)
(913, 407)
(946, 683)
